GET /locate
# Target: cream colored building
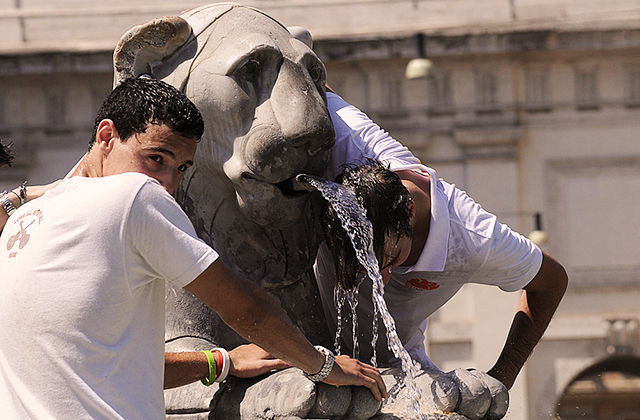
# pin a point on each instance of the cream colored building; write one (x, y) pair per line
(532, 106)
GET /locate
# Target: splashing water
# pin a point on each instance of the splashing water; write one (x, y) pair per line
(359, 229)
(340, 297)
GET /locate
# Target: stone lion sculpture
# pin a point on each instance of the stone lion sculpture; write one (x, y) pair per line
(262, 95)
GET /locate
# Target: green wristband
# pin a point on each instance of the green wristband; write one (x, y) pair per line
(212, 368)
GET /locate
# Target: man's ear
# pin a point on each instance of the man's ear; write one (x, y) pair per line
(106, 135)
(412, 209)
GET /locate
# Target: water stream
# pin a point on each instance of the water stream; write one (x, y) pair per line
(359, 229)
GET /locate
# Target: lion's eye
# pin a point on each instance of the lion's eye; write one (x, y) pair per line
(250, 70)
(316, 74)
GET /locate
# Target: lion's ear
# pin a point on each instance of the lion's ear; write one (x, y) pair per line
(147, 43)
(301, 34)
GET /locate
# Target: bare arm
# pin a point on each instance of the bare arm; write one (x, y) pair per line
(539, 301)
(259, 319)
(32, 193)
(247, 361)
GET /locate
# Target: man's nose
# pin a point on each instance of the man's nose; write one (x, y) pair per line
(171, 180)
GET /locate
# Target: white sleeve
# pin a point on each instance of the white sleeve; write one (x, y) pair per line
(358, 137)
(164, 237)
(513, 260)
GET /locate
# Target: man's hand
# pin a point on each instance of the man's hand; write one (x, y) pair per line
(250, 360)
(348, 371)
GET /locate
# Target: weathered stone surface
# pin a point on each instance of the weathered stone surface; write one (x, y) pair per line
(499, 395)
(438, 392)
(284, 394)
(363, 405)
(475, 397)
(331, 401)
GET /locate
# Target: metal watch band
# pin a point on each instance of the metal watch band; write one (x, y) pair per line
(326, 367)
(6, 203)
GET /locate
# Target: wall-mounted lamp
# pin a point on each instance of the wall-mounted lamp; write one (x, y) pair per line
(420, 67)
(538, 236)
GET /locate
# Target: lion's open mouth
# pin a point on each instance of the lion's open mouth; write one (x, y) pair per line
(289, 188)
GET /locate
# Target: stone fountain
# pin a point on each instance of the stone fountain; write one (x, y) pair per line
(262, 95)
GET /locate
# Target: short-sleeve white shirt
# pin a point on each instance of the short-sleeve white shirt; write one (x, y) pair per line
(82, 298)
(466, 244)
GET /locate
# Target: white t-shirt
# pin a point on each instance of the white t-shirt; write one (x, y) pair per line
(82, 298)
(465, 245)
(358, 137)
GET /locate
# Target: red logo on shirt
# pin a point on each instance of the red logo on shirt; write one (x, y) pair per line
(421, 284)
(21, 238)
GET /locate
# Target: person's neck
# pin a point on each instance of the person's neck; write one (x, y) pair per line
(90, 166)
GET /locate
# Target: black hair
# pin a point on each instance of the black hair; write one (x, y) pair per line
(386, 201)
(6, 154)
(137, 102)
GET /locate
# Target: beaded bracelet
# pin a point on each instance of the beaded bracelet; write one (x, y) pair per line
(22, 193)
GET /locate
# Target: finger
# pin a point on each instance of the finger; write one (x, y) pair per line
(381, 385)
(374, 374)
(374, 387)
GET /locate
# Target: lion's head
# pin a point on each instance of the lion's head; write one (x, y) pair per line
(262, 95)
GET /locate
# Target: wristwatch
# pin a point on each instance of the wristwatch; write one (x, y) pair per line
(6, 203)
(326, 367)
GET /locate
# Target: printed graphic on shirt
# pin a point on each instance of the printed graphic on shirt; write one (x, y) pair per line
(21, 238)
(421, 284)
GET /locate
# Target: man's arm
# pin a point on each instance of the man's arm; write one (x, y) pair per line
(247, 361)
(31, 192)
(537, 305)
(258, 318)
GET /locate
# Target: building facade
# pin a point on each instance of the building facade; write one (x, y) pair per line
(532, 107)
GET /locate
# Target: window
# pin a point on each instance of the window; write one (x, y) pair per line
(439, 88)
(3, 118)
(536, 82)
(391, 89)
(98, 95)
(632, 84)
(586, 87)
(486, 87)
(55, 111)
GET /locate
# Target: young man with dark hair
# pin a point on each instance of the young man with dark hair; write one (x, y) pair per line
(84, 267)
(389, 208)
(452, 241)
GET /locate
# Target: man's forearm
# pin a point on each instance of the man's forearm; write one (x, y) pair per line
(537, 306)
(258, 318)
(525, 333)
(255, 316)
(184, 368)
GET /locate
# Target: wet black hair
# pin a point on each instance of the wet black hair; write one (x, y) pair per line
(138, 102)
(386, 201)
(6, 154)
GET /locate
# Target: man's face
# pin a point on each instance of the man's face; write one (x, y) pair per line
(158, 153)
(396, 251)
